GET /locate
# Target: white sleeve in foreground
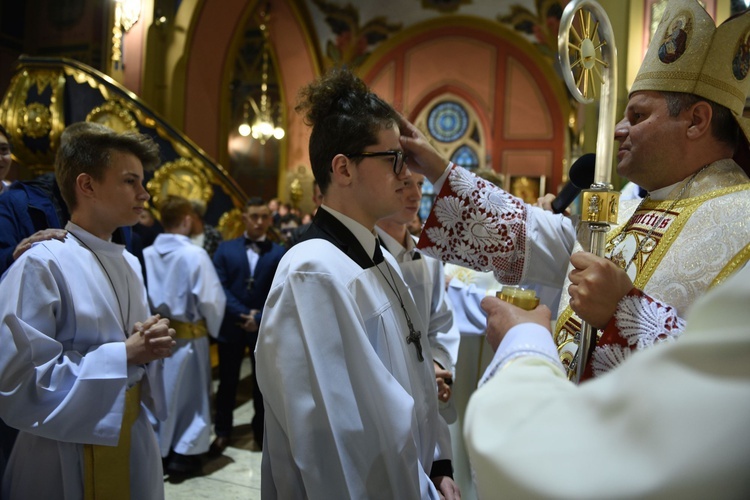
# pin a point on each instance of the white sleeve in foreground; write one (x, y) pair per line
(669, 422)
(527, 339)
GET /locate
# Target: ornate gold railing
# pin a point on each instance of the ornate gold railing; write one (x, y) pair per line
(47, 94)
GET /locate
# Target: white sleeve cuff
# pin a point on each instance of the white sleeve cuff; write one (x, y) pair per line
(526, 339)
(438, 184)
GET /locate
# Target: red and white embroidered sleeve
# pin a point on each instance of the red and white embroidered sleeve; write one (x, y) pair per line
(640, 322)
(477, 225)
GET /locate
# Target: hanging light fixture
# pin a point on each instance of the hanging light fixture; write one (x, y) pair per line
(263, 127)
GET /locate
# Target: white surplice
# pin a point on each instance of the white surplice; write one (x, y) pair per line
(184, 286)
(63, 366)
(350, 412)
(669, 422)
(426, 279)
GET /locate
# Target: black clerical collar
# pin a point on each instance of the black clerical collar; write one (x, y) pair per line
(327, 227)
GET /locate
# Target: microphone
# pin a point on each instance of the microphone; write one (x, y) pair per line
(581, 176)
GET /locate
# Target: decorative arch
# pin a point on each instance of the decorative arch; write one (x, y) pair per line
(485, 64)
(215, 38)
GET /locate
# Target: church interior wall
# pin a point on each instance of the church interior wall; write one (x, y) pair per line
(180, 55)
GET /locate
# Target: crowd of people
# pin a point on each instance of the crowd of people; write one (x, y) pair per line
(353, 329)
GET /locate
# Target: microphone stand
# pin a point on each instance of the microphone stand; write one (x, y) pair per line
(599, 204)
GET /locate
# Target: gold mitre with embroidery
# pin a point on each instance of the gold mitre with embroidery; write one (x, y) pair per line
(688, 53)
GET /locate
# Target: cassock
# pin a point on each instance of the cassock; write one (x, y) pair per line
(675, 245)
(184, 287)
(65, 309)
(350, 411)
(669, 422)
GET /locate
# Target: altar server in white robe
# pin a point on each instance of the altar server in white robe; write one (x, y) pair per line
(81, 353)
(347, 377)
(185, 288)
(669, 422)
(426, 280)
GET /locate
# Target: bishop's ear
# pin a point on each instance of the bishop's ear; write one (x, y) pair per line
(700, 119)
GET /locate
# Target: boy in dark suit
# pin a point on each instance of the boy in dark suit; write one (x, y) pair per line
(246, 266)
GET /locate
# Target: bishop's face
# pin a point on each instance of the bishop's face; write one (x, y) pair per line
(651, 151)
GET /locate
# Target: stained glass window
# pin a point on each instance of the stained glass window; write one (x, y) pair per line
(456, 130)
(466, 157)
(428, 197)
(448, 121)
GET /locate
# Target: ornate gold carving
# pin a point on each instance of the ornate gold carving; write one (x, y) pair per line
(181, 177)
(44, 79)
(121, 110)
(36, 120)
(114, 115)
(117, 36)
(230, 224)
(600, 206)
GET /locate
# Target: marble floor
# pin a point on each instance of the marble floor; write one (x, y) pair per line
(235, 474)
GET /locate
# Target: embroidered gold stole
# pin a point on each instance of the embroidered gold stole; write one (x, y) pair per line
(702, 240)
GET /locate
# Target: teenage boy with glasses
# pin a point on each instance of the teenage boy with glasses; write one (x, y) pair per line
(347, 376)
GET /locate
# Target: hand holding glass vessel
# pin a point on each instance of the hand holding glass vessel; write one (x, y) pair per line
(518, 296)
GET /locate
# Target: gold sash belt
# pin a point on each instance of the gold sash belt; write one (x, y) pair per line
(107, 468)
(189, 331)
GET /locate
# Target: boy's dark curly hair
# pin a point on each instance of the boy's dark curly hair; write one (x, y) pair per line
(345, 118)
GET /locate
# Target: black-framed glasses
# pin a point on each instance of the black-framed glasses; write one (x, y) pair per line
(399, 158)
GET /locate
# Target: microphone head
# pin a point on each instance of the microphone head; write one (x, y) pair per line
(581, 173)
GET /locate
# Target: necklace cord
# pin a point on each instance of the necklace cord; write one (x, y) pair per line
(414, 336)
(111, 283)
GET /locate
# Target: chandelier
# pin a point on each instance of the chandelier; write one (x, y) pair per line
(263, 127)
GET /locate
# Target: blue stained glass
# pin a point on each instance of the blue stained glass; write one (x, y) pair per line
(466, 157)
(448, 121)
(428, 197)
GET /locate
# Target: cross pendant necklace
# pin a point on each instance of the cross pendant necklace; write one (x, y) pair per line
(415, 336)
